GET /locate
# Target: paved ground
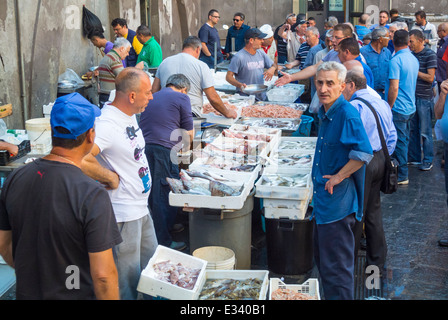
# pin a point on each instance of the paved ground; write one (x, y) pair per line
(415, 218)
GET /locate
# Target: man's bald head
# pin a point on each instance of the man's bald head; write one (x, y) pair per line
(129, 80)
(354, 65)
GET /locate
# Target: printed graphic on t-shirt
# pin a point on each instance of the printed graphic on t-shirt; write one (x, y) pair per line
(139, 153)
(254, 65)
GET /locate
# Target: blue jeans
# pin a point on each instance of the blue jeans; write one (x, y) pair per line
(402, 123)
(446, 171)
(421, 132)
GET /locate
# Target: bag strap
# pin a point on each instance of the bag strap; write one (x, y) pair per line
(380, 129)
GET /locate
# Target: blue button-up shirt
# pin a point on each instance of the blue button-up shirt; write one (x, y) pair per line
(378, 63)
(368, 119)
(342, 138)
(238, 34)
(404, 67)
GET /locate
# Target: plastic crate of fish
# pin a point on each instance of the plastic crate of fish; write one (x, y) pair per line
(286, 209)
(225, 285)
(173, 275)
(289, 145)
(309, 290)
(222, 163)
(284, 185)
(289, 162)
(205, 189)
(285, 94)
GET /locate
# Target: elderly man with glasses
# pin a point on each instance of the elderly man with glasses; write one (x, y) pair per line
(210, 38)
(237, 32)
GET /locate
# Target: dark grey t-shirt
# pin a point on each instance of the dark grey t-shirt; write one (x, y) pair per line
(428, 60)
(57, 216)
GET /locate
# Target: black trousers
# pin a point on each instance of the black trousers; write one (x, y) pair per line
(373, 218)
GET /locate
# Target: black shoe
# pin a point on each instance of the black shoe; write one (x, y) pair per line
(177, 228)
(443, 242)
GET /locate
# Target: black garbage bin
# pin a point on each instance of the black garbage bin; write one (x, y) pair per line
(289, 245)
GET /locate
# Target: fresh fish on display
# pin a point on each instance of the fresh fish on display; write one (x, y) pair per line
(216, 176)
(219, 189)
(295, 160)
(244, 168)
(176, 186)
(229, 289)
(288, 294)
(176, 274)
(297, 145)
(276, 180)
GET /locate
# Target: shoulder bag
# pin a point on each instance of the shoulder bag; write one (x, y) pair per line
(390, 180)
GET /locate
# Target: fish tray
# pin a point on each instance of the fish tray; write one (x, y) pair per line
(273, 164)
(150, 285)
(285, 94)
(296, 106)
(286, 125)
(311, 140)
(309, 287)
(286, 209)
(242, 275)
(219, 203)
(285, 192)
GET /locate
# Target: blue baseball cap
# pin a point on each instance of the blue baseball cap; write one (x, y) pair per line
(74, 113)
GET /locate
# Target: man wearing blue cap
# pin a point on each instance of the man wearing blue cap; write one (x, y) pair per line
(118, 160)
(57, 226)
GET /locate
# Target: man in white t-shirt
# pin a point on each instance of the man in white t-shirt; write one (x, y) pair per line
(201, 78)
(118, 161)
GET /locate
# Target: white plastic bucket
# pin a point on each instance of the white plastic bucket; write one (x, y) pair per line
(218, 258)
(39, 133)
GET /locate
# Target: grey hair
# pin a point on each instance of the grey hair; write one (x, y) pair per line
(399, 25)
(358, 78)
(379, 32)
(314, 30)
(331, 21)
(192, 42)
(340, 69)
(329, 33)
(179, 81)
(121, 43)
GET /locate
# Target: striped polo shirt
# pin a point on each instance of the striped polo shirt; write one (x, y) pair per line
(109, 68)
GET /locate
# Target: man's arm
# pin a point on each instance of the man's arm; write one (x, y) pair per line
(156, 86)
(269, 74)
(230, 78)
(6, 247)
(92, 168)
(104, 275)
(205, 50)
(439, 107)
(216, 101)
(351, 167)
(427, 77)
(11, 148)
(301, 75)
(393, 92)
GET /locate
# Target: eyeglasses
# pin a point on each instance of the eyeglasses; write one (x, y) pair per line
(338, 38)
(236, 20)
(217, 17)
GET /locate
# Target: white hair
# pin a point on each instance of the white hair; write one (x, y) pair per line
(121, 43)
(340, 69)
(314, 30)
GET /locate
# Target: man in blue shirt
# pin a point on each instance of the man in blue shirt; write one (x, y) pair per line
(400, 94)
(210, 39)
(338, 174)
(441, 113)
(377, 58)
(349, 50)
(356, 88)
(361, 28)
(237, 32)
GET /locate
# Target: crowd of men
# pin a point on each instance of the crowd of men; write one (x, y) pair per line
(372, 94)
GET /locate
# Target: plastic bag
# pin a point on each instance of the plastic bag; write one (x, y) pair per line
(90, 22)
(70, 77)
